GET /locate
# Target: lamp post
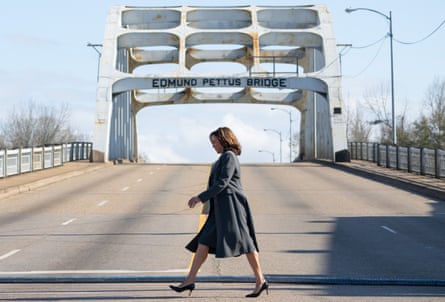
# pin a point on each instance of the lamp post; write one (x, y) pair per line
(389, 18)
(281, 140)
(273, 154)
(290, 129)
(95, 46)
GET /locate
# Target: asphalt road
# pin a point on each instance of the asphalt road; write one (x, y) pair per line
(313, 223)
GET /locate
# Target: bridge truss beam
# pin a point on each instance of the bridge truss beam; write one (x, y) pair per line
(288, 55)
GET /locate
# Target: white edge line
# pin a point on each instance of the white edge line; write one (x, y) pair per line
(139, 180)
(9, 254)
(389, 229)
(124, 189)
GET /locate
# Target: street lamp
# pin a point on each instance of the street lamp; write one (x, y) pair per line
(95, 46)
(389, 18)
(290, 129)
(281, 140)
(273, 154)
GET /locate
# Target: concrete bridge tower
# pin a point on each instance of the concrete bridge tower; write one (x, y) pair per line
(297, 41)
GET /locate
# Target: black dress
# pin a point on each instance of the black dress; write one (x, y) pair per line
(229, 229)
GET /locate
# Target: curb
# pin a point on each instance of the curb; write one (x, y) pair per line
(44, 182)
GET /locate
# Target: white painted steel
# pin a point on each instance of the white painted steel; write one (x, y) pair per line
(252, 36)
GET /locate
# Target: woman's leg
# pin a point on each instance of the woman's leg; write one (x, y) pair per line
(254, 261)
(200, 256)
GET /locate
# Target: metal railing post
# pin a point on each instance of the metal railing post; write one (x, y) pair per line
(52, 156)
(19, 161)
(71, 152)
(409, 160)
(375, 153)
(422, 164)
(6, 163)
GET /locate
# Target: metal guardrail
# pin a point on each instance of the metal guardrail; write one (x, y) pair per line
(417, 160)
(24, 160)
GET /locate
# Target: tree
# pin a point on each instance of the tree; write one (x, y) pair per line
(295, 145)
(2, 142)
(435, 103)
(377, 101)
(359, 131)
(37, 125)
(422, 133)
(405, 135)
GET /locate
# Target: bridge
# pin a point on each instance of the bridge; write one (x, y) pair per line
(117, 231)
(269, 55)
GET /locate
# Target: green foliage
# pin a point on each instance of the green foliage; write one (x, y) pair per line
(422, 133)
(429, 130)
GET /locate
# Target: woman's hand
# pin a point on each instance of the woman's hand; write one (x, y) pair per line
(193, 201)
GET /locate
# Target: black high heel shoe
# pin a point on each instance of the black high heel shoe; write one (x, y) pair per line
(180, 289)
(265, 286)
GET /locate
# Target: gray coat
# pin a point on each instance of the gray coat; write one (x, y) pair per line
(229, 229)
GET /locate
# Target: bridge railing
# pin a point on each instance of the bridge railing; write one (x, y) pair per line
(24, 160)
(416, 160)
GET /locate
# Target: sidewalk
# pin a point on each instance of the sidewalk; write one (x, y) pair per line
(15, 184)
(422, 184)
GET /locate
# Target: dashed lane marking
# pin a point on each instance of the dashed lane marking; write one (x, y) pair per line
(9, 254)
(102, 203)
(68, 221)
(388, 229)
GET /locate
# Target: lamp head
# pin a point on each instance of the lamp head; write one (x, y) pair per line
(349, 10)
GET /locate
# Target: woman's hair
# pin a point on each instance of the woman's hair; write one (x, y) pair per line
(227, 139)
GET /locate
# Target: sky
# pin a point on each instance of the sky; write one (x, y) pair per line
(45, 59)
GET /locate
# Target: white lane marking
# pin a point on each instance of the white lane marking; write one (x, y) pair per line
(125, 189)
(116, 271)
(102, 203)
(151, 173)
(69, 221)
(389, 229)
(139, 180)
(9, 254)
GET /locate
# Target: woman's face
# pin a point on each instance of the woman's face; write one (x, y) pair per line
(216, 144)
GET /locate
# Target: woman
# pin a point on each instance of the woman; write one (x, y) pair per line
(229, 229)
